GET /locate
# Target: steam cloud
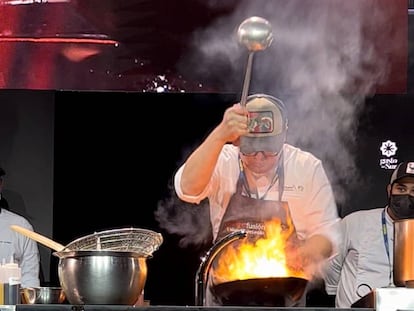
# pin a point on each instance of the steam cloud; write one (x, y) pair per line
(326, 58)
(189, 222)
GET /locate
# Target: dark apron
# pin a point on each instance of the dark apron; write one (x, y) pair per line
(249, 212)
(245, 212)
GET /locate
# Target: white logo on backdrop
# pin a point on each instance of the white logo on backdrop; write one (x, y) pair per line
(388, 148)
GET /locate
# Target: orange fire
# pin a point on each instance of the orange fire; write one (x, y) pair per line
(266, 257)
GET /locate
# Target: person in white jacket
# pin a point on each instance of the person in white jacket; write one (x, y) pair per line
(364, 261)
(250, 175)
(17, 248)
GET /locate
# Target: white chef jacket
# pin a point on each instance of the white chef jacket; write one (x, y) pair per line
(361, 264)
(307, 190)
(17, 248)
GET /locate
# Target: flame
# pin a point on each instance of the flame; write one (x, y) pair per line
(265, 257)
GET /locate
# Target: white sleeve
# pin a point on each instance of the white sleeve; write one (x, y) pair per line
(187, 198)
(322, 216)
(29, 259)
(333, 268)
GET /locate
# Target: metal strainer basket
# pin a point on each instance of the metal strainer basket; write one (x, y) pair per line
(141, 241)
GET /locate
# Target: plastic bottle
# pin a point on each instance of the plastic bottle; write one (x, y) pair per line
(11, 279)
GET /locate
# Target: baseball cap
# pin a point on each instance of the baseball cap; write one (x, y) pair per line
(267, 124)
(404, 169)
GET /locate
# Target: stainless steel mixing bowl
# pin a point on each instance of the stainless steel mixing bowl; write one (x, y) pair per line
(102, 277)
(42, 295)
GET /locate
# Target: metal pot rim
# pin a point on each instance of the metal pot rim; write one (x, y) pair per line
(102, 253)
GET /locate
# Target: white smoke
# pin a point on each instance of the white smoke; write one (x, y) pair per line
(326, 58)
(191, 223)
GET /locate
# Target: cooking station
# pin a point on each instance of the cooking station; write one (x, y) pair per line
(382, 299)
(129, 247)
(59, 307)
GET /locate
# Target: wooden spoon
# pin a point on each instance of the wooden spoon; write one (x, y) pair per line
(38, 237)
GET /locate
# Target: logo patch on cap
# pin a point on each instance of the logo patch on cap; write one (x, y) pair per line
(410, 168)
(261, 122)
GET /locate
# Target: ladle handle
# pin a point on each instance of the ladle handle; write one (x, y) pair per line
(38, 237)
(247, 77)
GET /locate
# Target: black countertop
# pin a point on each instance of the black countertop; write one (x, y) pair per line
(67, 307)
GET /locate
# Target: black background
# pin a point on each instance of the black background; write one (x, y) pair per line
(116, 153)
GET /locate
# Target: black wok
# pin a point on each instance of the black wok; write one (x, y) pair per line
(274, 292)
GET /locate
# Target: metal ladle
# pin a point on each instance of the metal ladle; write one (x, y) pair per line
(256, 34)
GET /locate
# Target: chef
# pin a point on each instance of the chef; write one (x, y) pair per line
(250, 175)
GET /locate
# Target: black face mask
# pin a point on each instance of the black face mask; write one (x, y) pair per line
(402, 206)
